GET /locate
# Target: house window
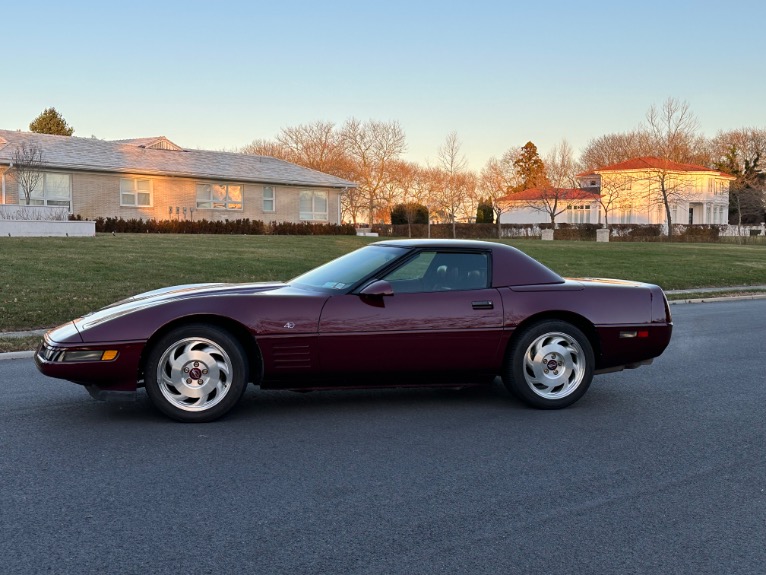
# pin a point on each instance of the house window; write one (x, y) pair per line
(219, 197)
(313, 205)
(135, 193)
(626, 214)
(269, 199)
(51, 190)
(578, 214)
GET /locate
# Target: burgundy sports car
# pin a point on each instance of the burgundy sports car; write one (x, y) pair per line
(393, 313)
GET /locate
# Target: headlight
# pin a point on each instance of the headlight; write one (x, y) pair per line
(87, 355)
(90, 355)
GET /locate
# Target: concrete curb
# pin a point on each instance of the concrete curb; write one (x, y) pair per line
(717, 299)
(16, 355)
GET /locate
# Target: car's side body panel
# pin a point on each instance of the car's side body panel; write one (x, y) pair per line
(411, 333)
(614, 308)
(315, 338)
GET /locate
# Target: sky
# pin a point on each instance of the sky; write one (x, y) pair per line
(218, 75)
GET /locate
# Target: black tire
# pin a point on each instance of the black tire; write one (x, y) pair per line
(196, 373)
(549, 365)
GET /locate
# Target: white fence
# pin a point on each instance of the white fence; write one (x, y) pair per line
(733, 230)
(41, 221)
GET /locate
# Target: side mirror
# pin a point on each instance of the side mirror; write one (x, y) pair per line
(379, 288)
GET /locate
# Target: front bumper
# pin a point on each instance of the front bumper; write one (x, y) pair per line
(121, 373)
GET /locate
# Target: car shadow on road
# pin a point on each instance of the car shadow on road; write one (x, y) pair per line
(273, 405)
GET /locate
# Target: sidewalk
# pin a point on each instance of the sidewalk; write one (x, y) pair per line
(716, 289)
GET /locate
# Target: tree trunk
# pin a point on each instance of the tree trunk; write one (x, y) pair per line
(670, 221)
(666, 203)
(739, 220)
(372, 212)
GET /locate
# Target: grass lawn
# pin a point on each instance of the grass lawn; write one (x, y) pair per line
(46, 281)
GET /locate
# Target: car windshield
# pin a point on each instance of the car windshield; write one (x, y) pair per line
(345, 271)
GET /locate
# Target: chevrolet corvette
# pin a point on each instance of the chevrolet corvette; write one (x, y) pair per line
(395, 313)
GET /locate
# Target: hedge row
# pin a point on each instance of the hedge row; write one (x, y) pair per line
(577, 232)
(582, 232)
(462, 231)
(239, 227)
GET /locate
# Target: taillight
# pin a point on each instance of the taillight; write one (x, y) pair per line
(668, 317)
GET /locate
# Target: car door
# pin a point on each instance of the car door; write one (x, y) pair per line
(443, 319)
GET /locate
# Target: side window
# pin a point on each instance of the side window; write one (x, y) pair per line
(441, 271)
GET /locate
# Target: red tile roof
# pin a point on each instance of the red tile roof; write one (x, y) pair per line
(533, 194)
(653, 163)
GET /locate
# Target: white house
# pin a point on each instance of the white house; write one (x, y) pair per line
(535, 206)
(631, 192)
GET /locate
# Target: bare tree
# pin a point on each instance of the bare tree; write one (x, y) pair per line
(371, 147)
(498, 179)
(457, 186)
(739, 153)
(27, 162)
(614, 189)
(614, 148)
(671, 131)
(317, 146)
(403, 188)
(432, 182)
(267, 148)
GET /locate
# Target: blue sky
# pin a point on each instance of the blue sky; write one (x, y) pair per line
(217, 75)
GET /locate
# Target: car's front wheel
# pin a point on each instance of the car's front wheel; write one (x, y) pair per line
(549, 365)
(196, 373)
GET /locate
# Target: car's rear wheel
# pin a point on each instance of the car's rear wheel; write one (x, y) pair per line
(549, 365)
(196, 373)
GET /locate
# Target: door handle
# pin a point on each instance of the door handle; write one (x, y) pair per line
(483, 304)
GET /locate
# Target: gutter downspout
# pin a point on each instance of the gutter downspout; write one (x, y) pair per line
(340, 194)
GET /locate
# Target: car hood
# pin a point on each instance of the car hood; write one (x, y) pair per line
(197, 290)
(171, 294)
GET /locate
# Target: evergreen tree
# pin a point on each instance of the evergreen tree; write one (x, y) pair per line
(485, 214)
(51, 122)
(530, 169)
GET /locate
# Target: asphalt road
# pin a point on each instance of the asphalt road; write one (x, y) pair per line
(659, 470)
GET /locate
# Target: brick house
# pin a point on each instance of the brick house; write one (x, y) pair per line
(153, 178)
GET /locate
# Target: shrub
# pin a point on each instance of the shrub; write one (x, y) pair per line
(484, 213)
(401, 212)
(576, 232)
(635, 232)
(697, 232)
(238, 227)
